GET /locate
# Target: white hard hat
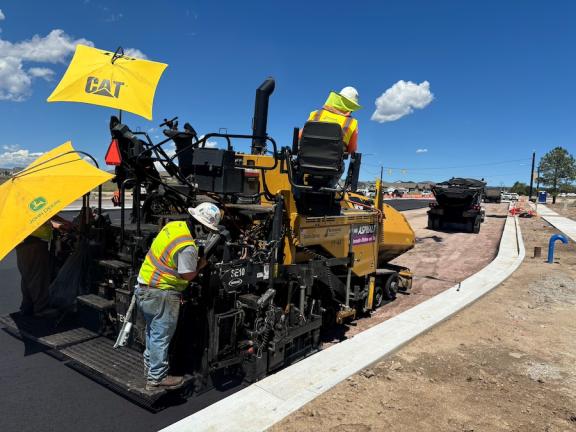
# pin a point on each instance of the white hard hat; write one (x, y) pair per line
(208, 214)
(350, 93)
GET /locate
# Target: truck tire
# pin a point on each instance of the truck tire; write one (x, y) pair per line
(391, 286)
(476, 226)
(434, 222)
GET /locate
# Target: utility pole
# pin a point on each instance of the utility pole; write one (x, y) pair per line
(532, 176)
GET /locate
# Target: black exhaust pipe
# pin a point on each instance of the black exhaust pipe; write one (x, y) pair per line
(260, 120)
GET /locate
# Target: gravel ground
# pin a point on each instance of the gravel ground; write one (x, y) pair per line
(507, 363)
(565, 207)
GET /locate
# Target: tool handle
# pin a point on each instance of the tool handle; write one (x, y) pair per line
(122, 338)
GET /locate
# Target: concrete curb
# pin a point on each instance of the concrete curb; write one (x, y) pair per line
(266, 402)
(561, 223)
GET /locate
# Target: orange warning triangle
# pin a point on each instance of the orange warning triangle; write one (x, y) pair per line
(113, 156)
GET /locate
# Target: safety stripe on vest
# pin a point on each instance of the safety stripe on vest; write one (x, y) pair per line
(177, 241)
(164, 268)
(164, 255)
(159, 270)
(346, 127)
(318, 115)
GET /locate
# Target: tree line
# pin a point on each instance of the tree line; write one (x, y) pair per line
(556, 173)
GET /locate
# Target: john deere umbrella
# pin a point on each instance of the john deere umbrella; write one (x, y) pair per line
(110, 79)
(34, 195)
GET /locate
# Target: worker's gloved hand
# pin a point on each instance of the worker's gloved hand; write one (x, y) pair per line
(116, 199)
(62, 225)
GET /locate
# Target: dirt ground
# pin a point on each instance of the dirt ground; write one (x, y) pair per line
(448, 255)
(507, 363)
(565, 207)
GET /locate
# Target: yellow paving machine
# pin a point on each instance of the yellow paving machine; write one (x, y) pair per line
(295, 254)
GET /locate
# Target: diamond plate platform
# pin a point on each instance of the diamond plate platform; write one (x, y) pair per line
(46, 331)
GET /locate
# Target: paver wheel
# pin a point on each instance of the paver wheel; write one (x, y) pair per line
(378, 296)
(391, 286)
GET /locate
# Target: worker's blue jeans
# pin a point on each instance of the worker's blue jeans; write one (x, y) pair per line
(160, 309)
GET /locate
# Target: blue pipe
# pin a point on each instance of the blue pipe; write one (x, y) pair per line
(551, 244)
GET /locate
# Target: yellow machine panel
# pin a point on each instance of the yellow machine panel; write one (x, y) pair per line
(334, 233)
(397, 236)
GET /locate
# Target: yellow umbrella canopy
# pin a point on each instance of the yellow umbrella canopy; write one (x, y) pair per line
(110, 79)
(34, 195)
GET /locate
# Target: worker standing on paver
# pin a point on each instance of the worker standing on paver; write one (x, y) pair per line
(33, 261)
(338, 108)
(170, 264)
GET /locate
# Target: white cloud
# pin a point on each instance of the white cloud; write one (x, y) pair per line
(15, 81)
(52, 48)
(401, 99)
(422, 151)
(208, 144)
(41, 72)
(17, 158)
(2, 16)
(135, 52)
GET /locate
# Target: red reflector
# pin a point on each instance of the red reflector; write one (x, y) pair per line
(113, 156)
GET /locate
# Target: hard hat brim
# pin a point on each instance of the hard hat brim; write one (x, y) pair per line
(202, 220)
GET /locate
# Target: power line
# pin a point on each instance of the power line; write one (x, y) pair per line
(449, 167)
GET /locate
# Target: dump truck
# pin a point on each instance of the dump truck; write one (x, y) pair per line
(492, 195)
(458, 201)
(293, 255)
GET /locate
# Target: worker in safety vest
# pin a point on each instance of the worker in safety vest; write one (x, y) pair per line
(338, 109)
(169, 265)
(33, 261)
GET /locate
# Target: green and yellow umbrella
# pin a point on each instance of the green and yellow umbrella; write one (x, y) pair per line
(33, 196)
(110, 79)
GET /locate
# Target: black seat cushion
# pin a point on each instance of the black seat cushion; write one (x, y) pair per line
(321, 151)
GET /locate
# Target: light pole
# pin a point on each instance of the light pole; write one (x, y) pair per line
(532, 176)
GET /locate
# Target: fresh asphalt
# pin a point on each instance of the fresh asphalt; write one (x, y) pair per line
(39, 393)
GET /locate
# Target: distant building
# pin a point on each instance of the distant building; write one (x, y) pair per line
(7, 172)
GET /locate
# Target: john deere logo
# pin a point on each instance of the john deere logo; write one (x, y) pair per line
(37, 204)
(103, 87)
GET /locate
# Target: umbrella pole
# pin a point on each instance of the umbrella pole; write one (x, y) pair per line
(120, 115)
(100, 200)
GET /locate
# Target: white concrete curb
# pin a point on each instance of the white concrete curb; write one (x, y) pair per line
(561, 223)
(266, 402)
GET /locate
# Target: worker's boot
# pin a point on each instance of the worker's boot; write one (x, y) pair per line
(168, 382)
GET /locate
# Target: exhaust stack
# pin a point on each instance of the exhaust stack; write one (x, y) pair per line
(260, 119)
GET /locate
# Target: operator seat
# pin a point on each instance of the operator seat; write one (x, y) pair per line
(318, 166)
(321, 154)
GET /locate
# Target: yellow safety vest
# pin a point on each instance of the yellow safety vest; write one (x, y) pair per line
(43, 232)
(159, 269)
(348, 124)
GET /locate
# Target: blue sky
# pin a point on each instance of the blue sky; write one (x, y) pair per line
(501, 75)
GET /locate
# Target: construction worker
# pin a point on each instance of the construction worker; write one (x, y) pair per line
(170, 264)
(338, 109)
(33, 261)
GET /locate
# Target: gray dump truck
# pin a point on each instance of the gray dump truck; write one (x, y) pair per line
(458, 201)
(492, 195)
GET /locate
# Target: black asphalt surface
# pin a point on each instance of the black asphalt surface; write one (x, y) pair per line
(39, 393)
